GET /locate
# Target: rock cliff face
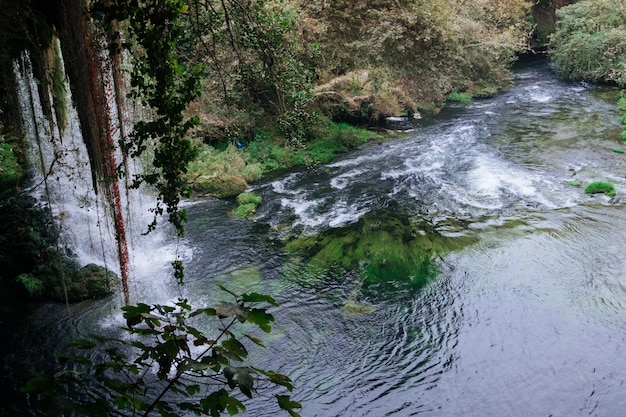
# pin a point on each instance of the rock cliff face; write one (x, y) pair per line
(95, 80)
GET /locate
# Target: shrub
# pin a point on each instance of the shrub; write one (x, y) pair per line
(599, 187)
(162, 365)
(590, 41)
(34, 286)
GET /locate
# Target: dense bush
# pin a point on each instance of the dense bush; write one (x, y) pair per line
(589, 42)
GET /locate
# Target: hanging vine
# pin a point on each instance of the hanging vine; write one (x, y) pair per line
(165, 80)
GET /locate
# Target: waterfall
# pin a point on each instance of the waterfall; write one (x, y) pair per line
(93, 224)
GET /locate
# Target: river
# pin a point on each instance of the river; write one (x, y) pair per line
(526, 318)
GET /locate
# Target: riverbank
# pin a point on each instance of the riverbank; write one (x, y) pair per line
(226, 170)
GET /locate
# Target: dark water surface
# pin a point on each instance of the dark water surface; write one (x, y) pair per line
(529, 320)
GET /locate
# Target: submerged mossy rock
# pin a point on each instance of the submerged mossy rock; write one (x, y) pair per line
(353, 307)
(94, 281)
(388, 247)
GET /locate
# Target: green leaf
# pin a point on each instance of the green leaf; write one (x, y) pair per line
(170, 348)
(285, 403)
(228, 291)
(275, 378)
(262, 318)
(234, 346)
(122, 402)
(208, 311)
(257, 298)
(214, 403)
(64, 357)
(193, 389)
(39, 384)
(255, 340)
(137, 310)
(193, 407)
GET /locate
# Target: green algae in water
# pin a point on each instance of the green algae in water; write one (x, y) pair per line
(387, 248)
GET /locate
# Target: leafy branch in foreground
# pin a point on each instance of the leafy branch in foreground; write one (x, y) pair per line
(167, 367)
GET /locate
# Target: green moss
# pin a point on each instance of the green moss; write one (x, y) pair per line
(386, 248)
(245, 211)
(353, 307)
(59, 93)
(618, 150)
(600, 187)
(248, 198)
(247, 204)
(10, 169)
(460, 97)
(226, 172)
(574, 183)
(221, 186)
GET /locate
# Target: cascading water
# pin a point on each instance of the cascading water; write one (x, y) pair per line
(93, 227)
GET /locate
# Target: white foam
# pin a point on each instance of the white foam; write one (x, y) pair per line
(282, 186)
(341, 181)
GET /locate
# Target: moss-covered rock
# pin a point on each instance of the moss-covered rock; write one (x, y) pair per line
(600, 187)
(222, 186)
(248, 198)
(94, 281)
(60, 279)
(247, 203)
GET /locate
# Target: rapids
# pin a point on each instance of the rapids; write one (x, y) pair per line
(526, 318)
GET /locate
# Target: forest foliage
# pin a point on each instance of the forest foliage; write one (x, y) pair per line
(277, 71)
(413, 52)
(589, 42)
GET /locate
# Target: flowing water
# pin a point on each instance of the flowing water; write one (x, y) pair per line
(526, 318)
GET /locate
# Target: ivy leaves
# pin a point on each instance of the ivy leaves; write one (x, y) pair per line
(204, 369)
